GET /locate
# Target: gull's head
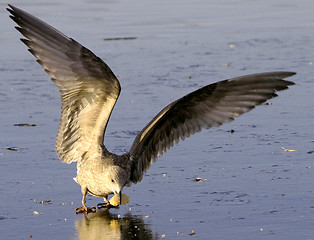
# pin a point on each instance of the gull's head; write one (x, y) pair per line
(116, 179)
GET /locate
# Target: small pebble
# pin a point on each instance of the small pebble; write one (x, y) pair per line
(192, 233)
(25, 125)
(45, 202)
(13, 148)
(37, 213)
(288, 150)
(268, 103)
(200, 180)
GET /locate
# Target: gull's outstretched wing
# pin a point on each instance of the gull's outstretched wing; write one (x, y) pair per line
(87, 86)
(206, 107)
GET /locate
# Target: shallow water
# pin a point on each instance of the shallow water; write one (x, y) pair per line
(251, 188)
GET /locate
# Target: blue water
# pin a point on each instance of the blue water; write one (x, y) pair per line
(251, 188)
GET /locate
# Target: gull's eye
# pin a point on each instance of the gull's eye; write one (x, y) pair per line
(112, 180)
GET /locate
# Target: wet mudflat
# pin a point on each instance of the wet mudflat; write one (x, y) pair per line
(219, 184)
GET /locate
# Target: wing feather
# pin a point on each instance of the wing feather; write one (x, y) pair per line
(210, 106)
(87, 86)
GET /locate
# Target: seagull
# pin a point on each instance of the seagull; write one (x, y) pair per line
(89, 90)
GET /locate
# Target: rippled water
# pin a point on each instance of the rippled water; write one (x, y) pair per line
(250, 188)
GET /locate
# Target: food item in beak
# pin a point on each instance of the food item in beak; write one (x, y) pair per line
(114, 201)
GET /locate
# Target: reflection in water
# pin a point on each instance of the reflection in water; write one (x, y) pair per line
(104, 225)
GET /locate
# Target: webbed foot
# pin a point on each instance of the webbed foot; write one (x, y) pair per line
(106, 205)
(85, 209)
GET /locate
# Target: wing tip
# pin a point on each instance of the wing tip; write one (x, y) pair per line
(10, 8)
(14, 11)
(289, 73)
(286, 75)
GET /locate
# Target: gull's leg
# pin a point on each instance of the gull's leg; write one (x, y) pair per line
(84, 208)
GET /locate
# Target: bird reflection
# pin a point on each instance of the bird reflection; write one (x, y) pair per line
(105, 225)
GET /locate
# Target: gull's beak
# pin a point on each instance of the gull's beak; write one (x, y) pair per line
(120, 197)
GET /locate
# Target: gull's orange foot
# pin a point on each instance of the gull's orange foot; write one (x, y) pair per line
(106, 205)
(85, 209)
